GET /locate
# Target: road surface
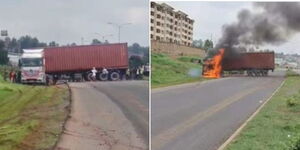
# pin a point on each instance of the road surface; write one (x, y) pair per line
(107, 116)
(202, 116)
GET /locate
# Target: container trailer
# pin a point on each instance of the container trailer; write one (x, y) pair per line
(74, 63)
(254, 63)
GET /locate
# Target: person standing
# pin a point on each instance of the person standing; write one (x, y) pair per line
(11, 76)
(14, 76)
(94, 71)
(127, 74)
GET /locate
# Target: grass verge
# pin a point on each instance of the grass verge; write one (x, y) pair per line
(31, 117)
(167, 71)
(277, 125)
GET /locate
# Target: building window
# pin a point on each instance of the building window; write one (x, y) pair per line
(152, 20)
(152, 13)
(158, 16)
(157, 30)
(151, 28)
(152, 4)
(151, 36)
(158, 23)
(157, 38)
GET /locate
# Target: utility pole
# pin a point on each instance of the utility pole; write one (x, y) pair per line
(119, 26)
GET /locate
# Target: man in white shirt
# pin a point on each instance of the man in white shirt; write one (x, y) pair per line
(94, 71)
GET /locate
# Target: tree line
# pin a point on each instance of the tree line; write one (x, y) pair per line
(206, 45)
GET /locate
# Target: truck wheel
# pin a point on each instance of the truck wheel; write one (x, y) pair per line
(103, 77)
(114, 76)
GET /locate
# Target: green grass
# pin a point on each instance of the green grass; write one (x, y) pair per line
(277, 125)
(167, 71)
(31, 116)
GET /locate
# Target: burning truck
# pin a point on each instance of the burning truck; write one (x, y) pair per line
(254, 63)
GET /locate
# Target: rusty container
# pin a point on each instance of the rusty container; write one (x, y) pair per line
(82, 58)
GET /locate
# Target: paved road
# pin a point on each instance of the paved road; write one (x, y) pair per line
(107, 116)
(202, 116)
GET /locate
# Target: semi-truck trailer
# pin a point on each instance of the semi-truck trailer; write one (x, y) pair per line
(74, 63)
(254, 63)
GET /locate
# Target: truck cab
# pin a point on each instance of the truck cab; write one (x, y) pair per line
(32, 66)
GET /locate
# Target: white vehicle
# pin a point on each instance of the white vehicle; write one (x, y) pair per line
(32, 66)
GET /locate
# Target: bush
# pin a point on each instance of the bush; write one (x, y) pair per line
(291, 101)
(294, 143)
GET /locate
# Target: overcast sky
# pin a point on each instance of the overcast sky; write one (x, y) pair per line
(211, 16)
(66, 21)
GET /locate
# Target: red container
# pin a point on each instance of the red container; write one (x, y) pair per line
(82, 58)
(248, 61)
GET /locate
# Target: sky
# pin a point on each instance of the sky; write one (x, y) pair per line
(68, 21)
(211, 16)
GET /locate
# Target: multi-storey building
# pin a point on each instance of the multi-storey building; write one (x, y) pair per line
(168, 25)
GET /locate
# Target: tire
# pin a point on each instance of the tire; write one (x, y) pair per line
(114, 76)
(103, 77)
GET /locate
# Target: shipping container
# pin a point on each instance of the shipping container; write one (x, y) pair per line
(254, 63)
(83, 58)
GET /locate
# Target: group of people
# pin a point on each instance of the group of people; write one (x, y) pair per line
(12, 75)
(137, 73)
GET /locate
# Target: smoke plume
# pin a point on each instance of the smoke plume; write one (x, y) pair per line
(274, 24)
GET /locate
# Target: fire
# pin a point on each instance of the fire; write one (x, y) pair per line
(212, 68)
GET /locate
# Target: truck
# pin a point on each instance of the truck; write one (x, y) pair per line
(254, 63)
(74, 63)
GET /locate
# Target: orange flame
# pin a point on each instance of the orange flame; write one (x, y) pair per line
(212, 68)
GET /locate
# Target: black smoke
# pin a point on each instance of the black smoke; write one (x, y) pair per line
(272, 23)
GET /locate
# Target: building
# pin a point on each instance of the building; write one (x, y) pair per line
(168, 25)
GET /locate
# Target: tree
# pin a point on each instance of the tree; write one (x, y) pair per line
(208, 44)
(53, 44)
(29, 42)
(13, 46)
(198, 43)
(141, 55)
(3, 54)
(96, 42)
(106, 42)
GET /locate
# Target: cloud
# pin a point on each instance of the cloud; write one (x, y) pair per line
(211, 16)
(67, 21)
